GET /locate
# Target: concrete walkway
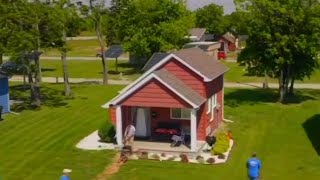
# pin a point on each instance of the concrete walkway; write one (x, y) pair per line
(126, 82)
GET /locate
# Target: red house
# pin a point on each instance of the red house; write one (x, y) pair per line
(180, 92)
(228, 42)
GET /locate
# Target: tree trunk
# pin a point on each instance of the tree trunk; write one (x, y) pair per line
(103, 58)
(282, 90)
(1, 58)
(34, 91)
(37, 99)
(67, 90)
(291, 90)
(265, 83)
(37, 61)
(287, 77)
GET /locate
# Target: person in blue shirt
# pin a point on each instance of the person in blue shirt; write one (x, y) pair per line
(254, 166)
(66, 174)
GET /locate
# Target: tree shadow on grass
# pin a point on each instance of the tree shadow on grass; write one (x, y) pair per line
(47, 69)
(311, 127)
(256, 96)
(50, 97)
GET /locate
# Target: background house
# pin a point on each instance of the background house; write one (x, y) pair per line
(180, 92)
(197, 34)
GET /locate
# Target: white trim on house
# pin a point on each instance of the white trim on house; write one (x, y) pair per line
(213, 105)
(121, 96)
(119, 125)
(193, 129)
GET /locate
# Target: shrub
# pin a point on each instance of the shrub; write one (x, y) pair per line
(107, 132)
(144, 155)
(222, 144)
(184, 158)
(221, 156)
(200, 159)
(211, 160)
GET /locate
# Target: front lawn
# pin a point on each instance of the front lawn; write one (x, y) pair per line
(38, 144)
(285, 137)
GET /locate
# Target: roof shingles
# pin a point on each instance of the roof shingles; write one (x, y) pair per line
(180, 87)
(207, 65)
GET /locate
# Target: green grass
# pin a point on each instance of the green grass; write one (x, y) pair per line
(38, 144)
(239, 74)
(87, 69)
(86, 48)
(278, 133)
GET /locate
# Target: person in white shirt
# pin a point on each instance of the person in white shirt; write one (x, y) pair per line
(129, 134)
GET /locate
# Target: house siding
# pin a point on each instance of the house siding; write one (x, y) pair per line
(155, 94)
(112, 115)
(4, 95)
(186, 75)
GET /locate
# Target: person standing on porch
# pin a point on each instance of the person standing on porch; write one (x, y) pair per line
(254, 166)
(129, 134)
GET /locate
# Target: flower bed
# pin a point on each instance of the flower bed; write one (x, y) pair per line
(201, 158)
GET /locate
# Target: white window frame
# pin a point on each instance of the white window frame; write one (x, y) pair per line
(181, 109)
(212, 104)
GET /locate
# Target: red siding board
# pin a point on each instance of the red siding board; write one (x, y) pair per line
(147, 96)
(186, 75)
(112, 115)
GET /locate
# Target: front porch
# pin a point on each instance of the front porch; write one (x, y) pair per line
(155, 128)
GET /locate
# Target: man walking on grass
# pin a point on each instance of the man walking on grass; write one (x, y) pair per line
(66, 174)
(254, 166)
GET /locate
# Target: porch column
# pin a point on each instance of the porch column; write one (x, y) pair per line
(119, 125)
(193, 129)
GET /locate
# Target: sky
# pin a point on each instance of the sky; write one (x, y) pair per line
(228, 5)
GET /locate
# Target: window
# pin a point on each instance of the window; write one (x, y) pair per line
(212, 103)
(178, 113)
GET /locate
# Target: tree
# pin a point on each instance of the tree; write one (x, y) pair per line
(211, 18)
(57, 23)
(21, 41)
(143, 29)
(283, 41)
(99, 17)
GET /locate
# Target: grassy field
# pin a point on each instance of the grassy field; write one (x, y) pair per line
(87, 69)
(86, 48)
(39, 144)
(282, 135)
(93, 69)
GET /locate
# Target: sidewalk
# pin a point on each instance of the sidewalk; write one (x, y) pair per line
(126, 82)
(80, 58)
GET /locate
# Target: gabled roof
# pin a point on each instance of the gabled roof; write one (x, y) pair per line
(197, 32)
(169, 81)
(155, 58)
(180, 87)
(229, 38)
(193, 58)
(206, 65)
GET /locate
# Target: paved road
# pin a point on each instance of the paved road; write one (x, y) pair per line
(121, 58)
(125, 82)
